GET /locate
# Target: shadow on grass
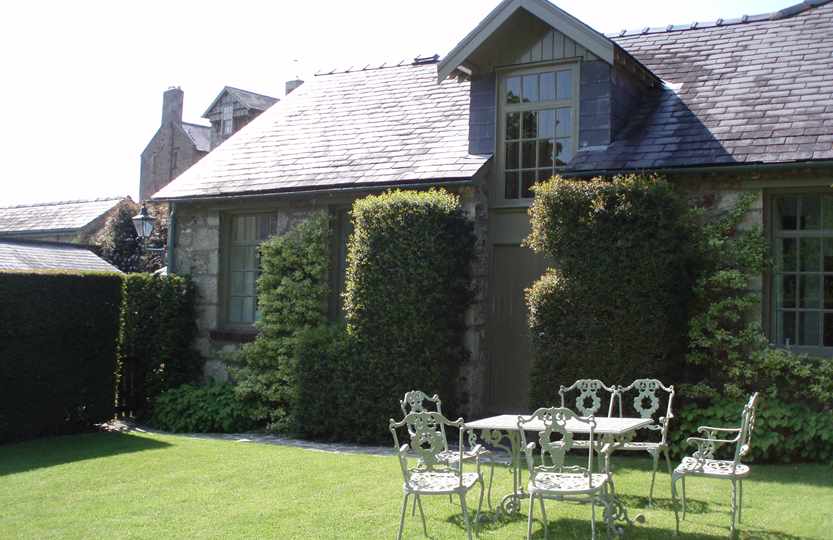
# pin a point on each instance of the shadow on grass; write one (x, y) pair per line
(693, 506)
(51, 451)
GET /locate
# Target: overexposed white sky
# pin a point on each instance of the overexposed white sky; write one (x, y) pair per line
(82, 81)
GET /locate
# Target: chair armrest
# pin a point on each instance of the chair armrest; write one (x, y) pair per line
(707, 447)
(703, 429)
(529, 452)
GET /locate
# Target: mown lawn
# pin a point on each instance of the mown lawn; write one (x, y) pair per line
(109, 485)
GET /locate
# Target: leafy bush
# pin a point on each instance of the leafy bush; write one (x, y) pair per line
(615, 304)
(57, 352)
(213, 408)
(407, 290)
(292, 295)
(158, 328)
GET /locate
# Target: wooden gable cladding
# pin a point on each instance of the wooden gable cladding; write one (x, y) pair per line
(553, 46)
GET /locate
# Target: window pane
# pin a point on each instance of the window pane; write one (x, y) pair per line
(527, 181)
(565, 84)
(809, 294)
(786, 296)
(528, 154)
(546, 123)
(786, 255)
(828, 329)
(546, 150)
(564, 126)
(786, 328)
(808, 327)
(512, 161)
(530, 125)
(530, 89)
(828, 292)
(236, 310)
(513, 126)
(810, 212)
(238, 280)
(810, 249)
(786, 209)
(548, 87)
(828, 254)
(511, 186)
(827, 214)
(513, 90)
(564, 151)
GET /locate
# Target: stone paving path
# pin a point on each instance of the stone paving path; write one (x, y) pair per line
(262, 438)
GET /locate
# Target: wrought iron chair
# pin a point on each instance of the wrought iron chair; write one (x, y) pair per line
(415, 401)
(552, 478)
(433, 475)
(647, 390)
(583, 390)
(703, 462)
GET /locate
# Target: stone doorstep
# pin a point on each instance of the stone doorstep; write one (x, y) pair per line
(128, 426)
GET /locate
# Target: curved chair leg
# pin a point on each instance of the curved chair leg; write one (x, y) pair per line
(734, 508)
(529, 519)
(402, 516)
(422, 514)
(479, 506)
(465, 514)
(491, 479)
(655, 456)
(740, 499)
(683, 498)
(593, 517)
(544, 517)
(674, 479)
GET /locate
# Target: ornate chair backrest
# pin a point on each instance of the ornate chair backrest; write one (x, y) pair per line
(644, 398)
(426, 441)
(746, 427)
(589, 400)
(554, 441)
(416, 401)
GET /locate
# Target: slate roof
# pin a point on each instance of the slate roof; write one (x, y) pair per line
(365, 127)
(199, 135)
(750, 92)
(250, 100)
(22, 256)
(66, 216)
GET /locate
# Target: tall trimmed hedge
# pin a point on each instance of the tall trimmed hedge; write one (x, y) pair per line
(158, 328)
(614, 306)
(293, 290)
(408, 288)
(58, 336)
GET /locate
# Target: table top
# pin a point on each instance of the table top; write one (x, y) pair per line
(604, 425)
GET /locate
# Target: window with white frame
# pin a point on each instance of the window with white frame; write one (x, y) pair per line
(537, 128)
(246, 233)
(802, 288)
(227, 118)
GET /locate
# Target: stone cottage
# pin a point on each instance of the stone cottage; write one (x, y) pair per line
(722, 107)
(73, 222)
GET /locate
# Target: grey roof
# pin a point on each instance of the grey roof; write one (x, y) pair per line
(23, 256)
(199, 135)
(752, 92)
(55, 216)
(250, 100)
(364, 127)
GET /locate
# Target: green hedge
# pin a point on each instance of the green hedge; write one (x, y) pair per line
(614, 307)
(213, 408)
(408, 287)
(293, 291)
(58, 337)
(158, 328)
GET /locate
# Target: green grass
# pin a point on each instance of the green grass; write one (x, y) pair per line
(108, 485)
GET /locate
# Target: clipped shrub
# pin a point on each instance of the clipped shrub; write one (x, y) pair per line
(213, 408)
(58, 336)
(158, 328)
(293, 290)
(614, 307)
(407, 291)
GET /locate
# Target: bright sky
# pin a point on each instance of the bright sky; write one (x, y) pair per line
(83, 80)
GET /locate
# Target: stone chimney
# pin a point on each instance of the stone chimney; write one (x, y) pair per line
(292, 85)
(172, 101)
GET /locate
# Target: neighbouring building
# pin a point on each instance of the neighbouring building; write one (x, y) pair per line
(67, 221)
(723, 108)
(35, 255)
(177, 145)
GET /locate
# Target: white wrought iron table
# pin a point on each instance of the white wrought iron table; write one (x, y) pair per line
(611, 432)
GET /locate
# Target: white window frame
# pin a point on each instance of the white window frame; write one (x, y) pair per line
(503, 109)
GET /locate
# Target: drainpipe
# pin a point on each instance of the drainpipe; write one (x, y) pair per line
(171, 236)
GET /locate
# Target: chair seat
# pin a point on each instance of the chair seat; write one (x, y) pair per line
(450, 456)
(715, 468)
(440, 482)
(636, 445)
(566, 483)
